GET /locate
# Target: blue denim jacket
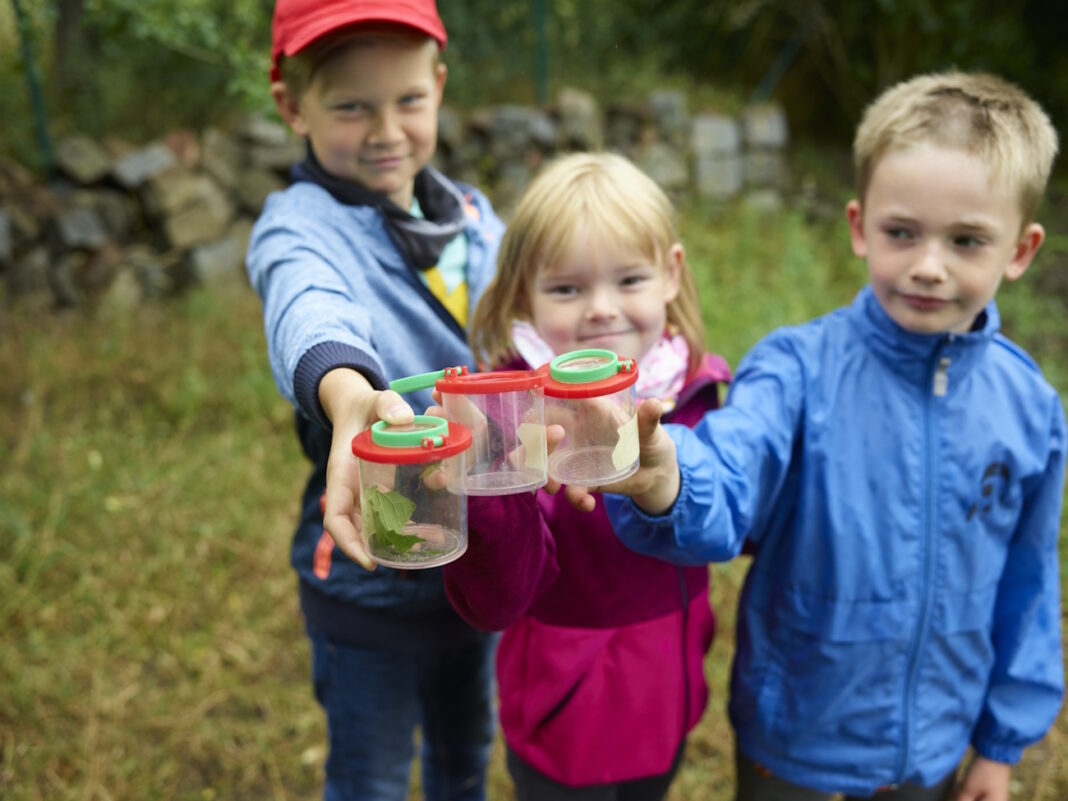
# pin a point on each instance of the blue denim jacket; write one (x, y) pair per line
(337, 292)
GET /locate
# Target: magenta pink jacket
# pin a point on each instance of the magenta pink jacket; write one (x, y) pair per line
(600, 667)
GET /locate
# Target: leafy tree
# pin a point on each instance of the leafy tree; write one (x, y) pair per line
(136, 67)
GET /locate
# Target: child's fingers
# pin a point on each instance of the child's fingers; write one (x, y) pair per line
(580, 498)
(341, 501)
(649, 413)
(553, 436)
(390, 406)
(465, 412)
(439, 475)
(339, 505)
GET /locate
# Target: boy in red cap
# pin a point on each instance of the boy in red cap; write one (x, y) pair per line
(368, 266)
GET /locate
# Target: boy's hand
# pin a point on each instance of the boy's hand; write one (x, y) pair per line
(655, 485)
(985, 780)
(352, 406)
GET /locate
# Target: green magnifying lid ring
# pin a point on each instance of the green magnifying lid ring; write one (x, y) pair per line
(584, 375)
(411, 383)
(424, 425)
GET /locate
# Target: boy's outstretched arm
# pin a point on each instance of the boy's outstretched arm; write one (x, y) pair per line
(702, 493)
(351, 404)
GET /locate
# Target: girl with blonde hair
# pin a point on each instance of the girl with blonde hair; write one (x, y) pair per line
(600, 667)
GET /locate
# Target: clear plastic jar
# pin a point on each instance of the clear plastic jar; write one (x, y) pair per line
(505, 413)
(413, 511)
(591, 394)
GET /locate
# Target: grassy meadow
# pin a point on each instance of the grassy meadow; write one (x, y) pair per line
(151, 646)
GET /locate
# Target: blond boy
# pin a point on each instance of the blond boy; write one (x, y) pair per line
(368, 266)
(897, 467)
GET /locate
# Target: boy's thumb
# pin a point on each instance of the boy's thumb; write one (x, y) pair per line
(649, 413)
(392, 408)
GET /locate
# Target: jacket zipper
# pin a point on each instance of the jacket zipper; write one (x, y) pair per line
(939, 386)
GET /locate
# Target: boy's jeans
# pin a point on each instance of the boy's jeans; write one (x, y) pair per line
(374, 699)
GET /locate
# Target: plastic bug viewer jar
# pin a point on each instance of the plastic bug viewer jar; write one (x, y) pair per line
(413, 513)
(591, 394)
(505, 413)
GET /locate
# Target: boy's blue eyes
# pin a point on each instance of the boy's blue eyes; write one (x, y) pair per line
(359, 107)
(960, 241)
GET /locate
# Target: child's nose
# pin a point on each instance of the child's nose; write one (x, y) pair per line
(602, 304)
(931, 264)
(386, 127)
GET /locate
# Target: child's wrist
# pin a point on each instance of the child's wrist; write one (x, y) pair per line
(345, 396)
(663, 493)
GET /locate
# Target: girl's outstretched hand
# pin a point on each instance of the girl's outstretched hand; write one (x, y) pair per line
(655, 485)
(352, 406)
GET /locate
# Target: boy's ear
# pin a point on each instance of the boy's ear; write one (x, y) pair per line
(1026, 247)
(440, 74)
(289, 107)
(855, 216)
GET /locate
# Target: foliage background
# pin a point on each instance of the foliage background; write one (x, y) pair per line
(137, 67)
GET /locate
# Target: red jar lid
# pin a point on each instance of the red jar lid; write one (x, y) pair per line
(416, 444)
(585, 381)
(487, 383)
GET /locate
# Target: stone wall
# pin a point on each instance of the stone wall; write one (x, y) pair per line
(121, 222)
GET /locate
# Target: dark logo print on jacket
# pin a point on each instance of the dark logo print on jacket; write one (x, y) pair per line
(992, 486)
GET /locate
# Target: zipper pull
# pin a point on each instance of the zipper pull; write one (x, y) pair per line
(940, 385)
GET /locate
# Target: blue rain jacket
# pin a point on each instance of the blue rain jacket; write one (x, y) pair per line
(902, 494)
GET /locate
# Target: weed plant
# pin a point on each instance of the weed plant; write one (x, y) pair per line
(150, 641)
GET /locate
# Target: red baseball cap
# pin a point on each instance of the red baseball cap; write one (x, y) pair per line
(298, 23)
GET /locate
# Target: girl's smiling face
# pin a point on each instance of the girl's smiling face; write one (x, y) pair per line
(602, 294)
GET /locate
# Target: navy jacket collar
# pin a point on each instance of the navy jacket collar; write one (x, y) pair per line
(421, 239)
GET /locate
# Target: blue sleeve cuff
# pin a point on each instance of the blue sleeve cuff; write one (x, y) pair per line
(622, 504)
(652, 535)
(320, 360)
(1008, 754)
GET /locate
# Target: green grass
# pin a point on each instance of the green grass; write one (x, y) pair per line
(150, 641)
